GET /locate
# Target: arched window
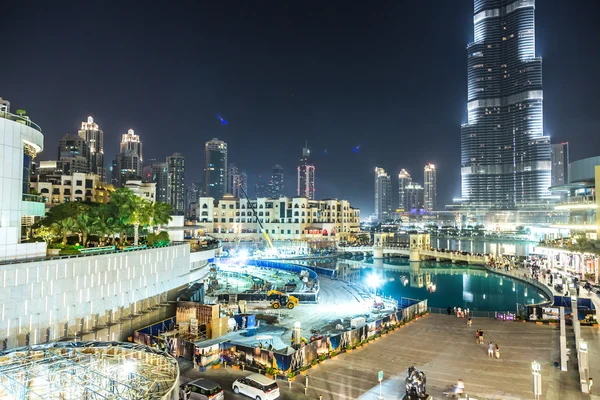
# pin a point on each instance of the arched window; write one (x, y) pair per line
(204, 205)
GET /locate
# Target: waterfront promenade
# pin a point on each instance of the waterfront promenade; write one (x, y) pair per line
(444, 348)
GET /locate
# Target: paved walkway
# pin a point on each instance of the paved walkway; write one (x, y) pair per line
(444, 348)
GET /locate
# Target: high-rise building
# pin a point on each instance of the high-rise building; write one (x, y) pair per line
(404, 179)
(73, 154)
(215, 168)
(383, 195)
(128, 164)
(560, 164)
(505, 157)
(306, 175)
(261, 188)
(429, 183)
(415, 197)
(235, 178)
(192, 195)
(94, 137)
(160, 176)
(176, 170)
(276, 182)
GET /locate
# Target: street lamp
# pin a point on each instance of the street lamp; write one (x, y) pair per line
(374, 282)
(537, 379)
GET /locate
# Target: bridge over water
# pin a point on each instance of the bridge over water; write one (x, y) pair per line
(418, 254)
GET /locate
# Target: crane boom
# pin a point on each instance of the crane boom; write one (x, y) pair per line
(264, 231)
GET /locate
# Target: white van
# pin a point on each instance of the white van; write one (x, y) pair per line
(257, 386)
(201, 389)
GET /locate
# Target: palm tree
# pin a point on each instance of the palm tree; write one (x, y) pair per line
(64, 226)
(160, 214)
(140, 215)
(86, 224)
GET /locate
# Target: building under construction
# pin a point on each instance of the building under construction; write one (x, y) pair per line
(88, 370)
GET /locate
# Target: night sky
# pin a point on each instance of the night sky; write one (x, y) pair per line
(388, 76)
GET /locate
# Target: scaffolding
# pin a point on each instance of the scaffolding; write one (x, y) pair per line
(87, 371)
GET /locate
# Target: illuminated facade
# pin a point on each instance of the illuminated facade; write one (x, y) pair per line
(129, 162)
(404, 179)
(215, 168)
(295, 218)
(276, 183)
(236, 181)
(176, 182)
(306, 175)
(383, 195)
(94, 137)
(505, 156)
(430, 187)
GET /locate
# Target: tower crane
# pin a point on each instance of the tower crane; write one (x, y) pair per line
(263, 230)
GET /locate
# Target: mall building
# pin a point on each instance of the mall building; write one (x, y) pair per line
(296, 218)
(93, 296)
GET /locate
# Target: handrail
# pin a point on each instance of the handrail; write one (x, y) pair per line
(18, 118)
(32, 197)
(87, 254)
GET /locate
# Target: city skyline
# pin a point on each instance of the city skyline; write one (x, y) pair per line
(295, 111)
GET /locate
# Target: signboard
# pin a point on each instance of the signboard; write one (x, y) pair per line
(550, 313)
(380, 376)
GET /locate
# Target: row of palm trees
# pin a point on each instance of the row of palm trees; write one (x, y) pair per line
(123, 213)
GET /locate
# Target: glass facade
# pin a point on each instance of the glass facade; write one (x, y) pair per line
(505, 157)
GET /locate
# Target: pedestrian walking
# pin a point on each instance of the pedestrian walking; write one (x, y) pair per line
(490, 350)
(497, 352)
(469, 322)
(590, 384)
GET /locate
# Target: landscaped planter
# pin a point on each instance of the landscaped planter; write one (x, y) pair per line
(270, 376)
(216, 366)
(235, 366)
(553, 323)
(292, 379)
(52, 252)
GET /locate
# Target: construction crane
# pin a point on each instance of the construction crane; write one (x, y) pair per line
(263, 230)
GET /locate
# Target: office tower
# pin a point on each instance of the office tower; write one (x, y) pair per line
(128, 163)
(383, 195)
(276, 182)
(235, 178)
(192, 195)
(73, 154)
(160, 176)
(176, 171)
(306, 175)
(505, 157)
(415, 197)
(261, 189)
(147, 169)
(560, 164)
(429, 184)
(215, 168)
(404, 179)
(94, 137)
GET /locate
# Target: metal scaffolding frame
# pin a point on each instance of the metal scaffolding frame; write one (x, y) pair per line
(87, 371)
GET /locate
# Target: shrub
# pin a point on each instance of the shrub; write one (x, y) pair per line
(291, 374)
(313, 362)
(349, 347)
(271, 371)
(322, 357)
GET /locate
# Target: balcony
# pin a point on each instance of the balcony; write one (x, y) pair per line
(22, 119)
(577, 202)
(33, 205)
(577, 226)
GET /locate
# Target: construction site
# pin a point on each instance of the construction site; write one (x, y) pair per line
(88, 370)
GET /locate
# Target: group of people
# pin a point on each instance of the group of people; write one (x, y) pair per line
(459, 312)
(493, 349)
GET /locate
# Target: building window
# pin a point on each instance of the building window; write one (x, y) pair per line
(223, 219)
(230, 219)
(289, 232)
(297, 231)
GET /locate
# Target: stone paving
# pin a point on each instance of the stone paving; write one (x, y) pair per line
(444, 348)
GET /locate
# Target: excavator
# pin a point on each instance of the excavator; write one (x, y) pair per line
(279, 299)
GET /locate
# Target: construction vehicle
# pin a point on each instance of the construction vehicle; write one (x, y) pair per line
(279, 299)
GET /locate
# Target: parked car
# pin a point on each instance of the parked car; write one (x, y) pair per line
(257, 386)
(202, 389)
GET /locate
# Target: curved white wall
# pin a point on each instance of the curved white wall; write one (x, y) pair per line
(12, 137)
(35, 296)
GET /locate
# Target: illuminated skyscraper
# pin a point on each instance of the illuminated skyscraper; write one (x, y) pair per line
(215, 168)
(505, 156)
(235, 178)
(383, 195)
(276, 183)
(430, 189)
(404, 179)
(94, 137)
(306, 175)
(128, 164)
(73, 154)
(176, 170)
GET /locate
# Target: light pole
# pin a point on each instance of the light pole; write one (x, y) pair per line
(537, 379)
